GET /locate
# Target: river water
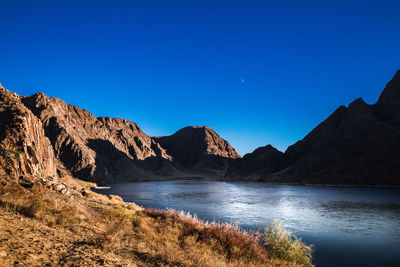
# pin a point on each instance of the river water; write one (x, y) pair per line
(348, 226)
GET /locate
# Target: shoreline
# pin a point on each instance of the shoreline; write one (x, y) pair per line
(198, 178)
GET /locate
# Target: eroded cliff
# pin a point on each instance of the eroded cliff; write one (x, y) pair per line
(104, 150)
(25, 151)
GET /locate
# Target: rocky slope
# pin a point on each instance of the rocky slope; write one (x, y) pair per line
(109, 150)
(56, 220)
(104, 150)
(260, 163)
(358, 144)
(25, 151)
(41, 227)
(199, 149)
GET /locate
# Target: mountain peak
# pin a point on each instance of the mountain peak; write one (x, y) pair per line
(195, 127)
(194, 144)
(357, 144)
(39, 95)
(391, 93)
(397, 76)
(388, 103)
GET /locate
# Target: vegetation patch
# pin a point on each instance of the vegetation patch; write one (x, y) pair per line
(281, 243)
(122, 233)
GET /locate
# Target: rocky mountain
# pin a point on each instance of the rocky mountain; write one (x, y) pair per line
(41, 136)
(260, 163)
(109, 150)
(104, 150)
(199, 149)
(358, 144)
(25, 151)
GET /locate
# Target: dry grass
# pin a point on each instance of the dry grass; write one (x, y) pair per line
(283, 244)
(226, 240)
(40, 204)
(123, 231)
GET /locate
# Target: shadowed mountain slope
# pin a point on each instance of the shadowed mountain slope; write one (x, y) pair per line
(104, 150)
(199, 149)
(261, 162)
(110, 150)
(358, 144)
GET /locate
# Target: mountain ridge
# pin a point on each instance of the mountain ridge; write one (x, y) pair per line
(357, 144)
(199, 147)
(109, 150)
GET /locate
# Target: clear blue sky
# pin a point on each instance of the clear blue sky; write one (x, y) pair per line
(258, 72)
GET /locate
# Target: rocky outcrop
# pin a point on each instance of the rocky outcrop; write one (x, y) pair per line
(104, 150)
(110, 150)
(199, 149)
(358, 144)
(132, 140)
(25, 152)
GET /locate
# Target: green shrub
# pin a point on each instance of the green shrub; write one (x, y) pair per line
(282, 244)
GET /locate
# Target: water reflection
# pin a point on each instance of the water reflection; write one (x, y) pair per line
(349, 226)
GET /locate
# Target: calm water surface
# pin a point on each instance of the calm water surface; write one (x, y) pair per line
(348, 226)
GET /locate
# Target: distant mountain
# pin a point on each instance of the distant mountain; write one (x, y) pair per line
(199, 149)
(358, 144)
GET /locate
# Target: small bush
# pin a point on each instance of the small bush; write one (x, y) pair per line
(282, 244)
(224, 239)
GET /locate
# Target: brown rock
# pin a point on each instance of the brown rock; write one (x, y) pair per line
(104, 150)
(3, 254)
(25, 151)
(109, 150)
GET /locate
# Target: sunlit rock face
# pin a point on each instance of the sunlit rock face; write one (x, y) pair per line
(199, 148)
(25, 151)
(103, 150)
(110, 150)
(358, 144)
